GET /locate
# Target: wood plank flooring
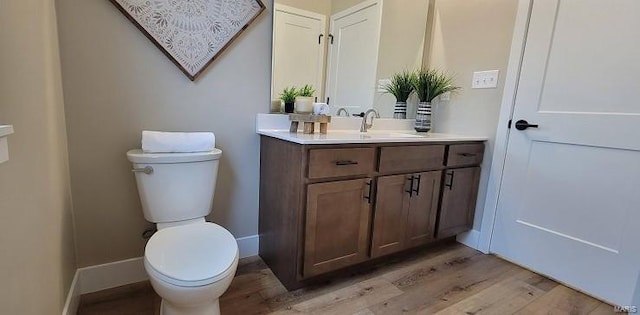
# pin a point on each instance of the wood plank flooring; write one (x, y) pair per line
(448, 279)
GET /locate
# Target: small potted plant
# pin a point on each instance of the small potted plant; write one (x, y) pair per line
(429, 84)
(401, 87)
(304, 100)
(288, 97)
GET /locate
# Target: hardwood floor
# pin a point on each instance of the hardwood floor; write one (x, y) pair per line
(449, 279)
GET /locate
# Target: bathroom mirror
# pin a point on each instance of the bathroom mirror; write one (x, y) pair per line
(347, 49)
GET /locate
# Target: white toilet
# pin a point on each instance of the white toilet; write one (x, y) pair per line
(190, 262)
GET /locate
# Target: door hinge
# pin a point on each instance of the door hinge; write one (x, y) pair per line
(509, 124)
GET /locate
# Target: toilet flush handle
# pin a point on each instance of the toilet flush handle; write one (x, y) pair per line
(147, 170)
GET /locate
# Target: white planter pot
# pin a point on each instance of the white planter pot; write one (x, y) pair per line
(304, 104)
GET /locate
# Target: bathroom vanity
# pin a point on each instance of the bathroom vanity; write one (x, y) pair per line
(332, 201)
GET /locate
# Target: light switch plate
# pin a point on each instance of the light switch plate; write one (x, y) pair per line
(382, 83)
(485, 79)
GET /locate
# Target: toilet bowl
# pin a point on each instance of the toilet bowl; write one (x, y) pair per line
(191, 266)
(190, 262)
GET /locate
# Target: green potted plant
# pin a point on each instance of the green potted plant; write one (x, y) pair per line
(304, 99)
(288, 97)
(429, 84)
(401, 87)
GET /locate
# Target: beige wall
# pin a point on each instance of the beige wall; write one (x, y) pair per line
(117, 83)
(317, 6)
(36, 233)
(341, 5)
(468, 36)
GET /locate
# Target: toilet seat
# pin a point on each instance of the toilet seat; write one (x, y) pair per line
(191, 255)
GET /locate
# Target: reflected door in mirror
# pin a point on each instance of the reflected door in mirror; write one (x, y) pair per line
(298, 50)
(353, 57)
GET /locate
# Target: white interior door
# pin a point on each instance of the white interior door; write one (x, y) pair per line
(569, 203)
(353, 57)
(298, 49)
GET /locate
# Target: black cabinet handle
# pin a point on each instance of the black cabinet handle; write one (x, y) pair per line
(368, 197)
(450, 184)
(346, 162)
(410, 191)
(417, 190)
(467, 154)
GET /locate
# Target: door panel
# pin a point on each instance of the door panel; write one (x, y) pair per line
(337, 225)
(298, 55)
(390, 217)
(353, 58)
(568, 204)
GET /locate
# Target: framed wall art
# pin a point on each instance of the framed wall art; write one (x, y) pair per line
(191, 32)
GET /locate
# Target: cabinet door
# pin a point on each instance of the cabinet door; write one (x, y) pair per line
(423, 209)
(458, 201)
(337, 225)
(390, 215)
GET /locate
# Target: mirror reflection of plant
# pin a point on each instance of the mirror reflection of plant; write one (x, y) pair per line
(306, 90)
(429, 84)
(401, 86)
(289, 94)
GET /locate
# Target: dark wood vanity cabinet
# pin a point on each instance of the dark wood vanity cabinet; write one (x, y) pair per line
(327, 207)
(459, 193)
(405, 212)
(337, 223)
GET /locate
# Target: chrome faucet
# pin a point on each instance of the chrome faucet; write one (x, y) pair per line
(364, 126)
(342, 109)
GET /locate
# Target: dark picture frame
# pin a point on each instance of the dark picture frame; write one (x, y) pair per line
(224, 30)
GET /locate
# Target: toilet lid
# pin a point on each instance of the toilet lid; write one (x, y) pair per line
(194, 254)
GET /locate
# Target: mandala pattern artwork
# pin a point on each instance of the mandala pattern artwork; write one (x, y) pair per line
(192, 32)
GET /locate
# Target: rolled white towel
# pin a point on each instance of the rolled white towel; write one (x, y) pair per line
(173, 142)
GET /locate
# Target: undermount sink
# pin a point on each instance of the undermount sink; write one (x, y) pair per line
(371, 134)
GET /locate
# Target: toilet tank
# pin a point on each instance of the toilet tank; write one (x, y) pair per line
(175, 186)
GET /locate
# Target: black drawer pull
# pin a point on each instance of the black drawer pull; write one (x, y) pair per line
(417, 190)
(450, 184)
(467, 154)
(346, 162)
(368, 197)
(410, 191)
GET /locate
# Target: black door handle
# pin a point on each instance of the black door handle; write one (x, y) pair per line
(523, 125)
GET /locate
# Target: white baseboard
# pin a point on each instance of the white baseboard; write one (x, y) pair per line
(248, 245)
(73, 297)
(470, 238)
(111, 275)
(118, 273)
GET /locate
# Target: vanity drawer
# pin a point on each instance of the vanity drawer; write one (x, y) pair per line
(411, 158)
(465, 154)
(340, 162)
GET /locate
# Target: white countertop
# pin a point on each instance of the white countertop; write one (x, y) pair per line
(372, 136)
(6, 130)
(346, 130)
